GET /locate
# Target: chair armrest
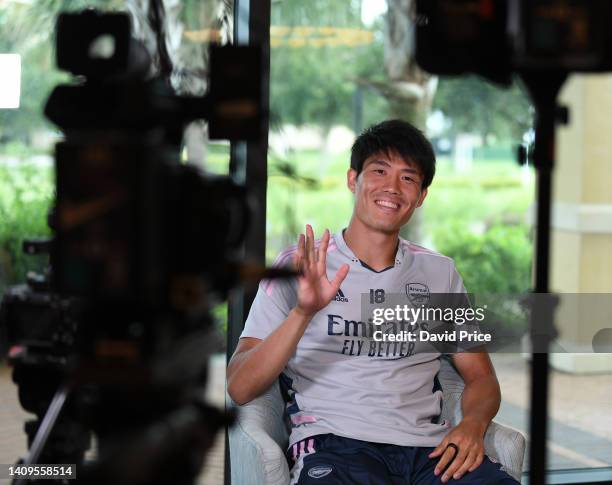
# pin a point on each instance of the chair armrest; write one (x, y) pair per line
(507, 446)
(501, 443)
(259, 438)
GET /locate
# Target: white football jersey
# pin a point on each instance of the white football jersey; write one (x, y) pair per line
(340, 380)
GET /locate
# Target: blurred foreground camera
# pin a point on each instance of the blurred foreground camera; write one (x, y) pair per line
(493, 38)
(115, 338)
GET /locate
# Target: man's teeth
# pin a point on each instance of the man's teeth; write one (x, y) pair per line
(384, 203)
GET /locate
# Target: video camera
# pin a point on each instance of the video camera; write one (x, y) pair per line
(494, 38)
(116, 336)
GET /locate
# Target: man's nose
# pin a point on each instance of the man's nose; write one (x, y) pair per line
(392, 185)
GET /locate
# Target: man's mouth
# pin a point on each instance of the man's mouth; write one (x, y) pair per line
(387, 204)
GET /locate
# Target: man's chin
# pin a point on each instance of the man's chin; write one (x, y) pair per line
(389, 229)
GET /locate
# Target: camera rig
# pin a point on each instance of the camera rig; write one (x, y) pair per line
(114, 339)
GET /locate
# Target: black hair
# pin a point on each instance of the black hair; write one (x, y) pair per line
(395, 136)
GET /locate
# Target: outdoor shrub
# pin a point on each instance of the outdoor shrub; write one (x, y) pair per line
(496, 269)
(498, 261)
(25, 196)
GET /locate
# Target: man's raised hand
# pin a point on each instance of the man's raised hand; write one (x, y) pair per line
(315, 290)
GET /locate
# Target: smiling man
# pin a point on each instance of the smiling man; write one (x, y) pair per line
(363, 411)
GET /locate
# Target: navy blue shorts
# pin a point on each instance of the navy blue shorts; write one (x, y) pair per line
(328, 459)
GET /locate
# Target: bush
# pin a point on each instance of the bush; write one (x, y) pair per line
(496, 269)
(25, 196)
(498, 261)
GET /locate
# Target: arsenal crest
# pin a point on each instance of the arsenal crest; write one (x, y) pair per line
(417, 293)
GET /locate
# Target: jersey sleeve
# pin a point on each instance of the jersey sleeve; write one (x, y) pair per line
(456, 282)
(471, 326)
(271, 306)
(457, 299)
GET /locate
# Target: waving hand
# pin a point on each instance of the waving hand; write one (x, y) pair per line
(315, 290)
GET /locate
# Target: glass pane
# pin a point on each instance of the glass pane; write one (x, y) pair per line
(581, 373)
(334, 72)
(478, 209)
(320, 52)
(332, 75)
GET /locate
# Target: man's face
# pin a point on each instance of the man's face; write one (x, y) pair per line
(387, 191)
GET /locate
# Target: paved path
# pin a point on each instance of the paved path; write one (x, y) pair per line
(580, 422)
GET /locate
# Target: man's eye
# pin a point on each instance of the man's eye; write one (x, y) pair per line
(408, 179)
(379, 170)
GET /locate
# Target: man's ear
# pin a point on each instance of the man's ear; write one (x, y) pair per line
(351, 179)
(422, 198)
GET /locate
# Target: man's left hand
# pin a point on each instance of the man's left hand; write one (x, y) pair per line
(468, 437)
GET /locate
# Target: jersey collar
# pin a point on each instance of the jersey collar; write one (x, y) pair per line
(400, 254)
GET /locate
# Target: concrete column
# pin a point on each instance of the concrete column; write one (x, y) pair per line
(581, 257)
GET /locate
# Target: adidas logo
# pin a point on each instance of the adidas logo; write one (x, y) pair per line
(340, 296)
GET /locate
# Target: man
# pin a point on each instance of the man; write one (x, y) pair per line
(362, 412)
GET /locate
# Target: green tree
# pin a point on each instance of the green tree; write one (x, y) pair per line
(313, 81)
(477, 106)
(311, 86)
(295, 13)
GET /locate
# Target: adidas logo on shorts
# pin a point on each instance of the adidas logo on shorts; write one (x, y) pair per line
(340, 296)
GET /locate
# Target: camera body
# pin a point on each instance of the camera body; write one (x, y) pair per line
(143, 244)
(138, 234)
(494, 38)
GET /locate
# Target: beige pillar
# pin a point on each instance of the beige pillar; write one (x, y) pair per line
(581, 243)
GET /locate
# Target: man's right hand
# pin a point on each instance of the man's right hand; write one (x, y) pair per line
(315, 290)
(257, 363)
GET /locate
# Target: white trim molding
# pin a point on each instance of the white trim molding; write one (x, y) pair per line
(580, 218)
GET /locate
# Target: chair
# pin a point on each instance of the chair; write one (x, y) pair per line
(260, 436)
